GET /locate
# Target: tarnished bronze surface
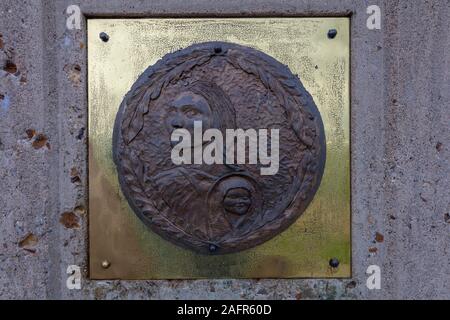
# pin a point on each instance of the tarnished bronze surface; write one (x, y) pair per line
(304, 249)
(217, 208)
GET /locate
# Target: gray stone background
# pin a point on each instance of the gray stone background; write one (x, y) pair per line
(400, 139)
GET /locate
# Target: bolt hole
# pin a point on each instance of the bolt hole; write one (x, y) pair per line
(334, 262)
(332, 33)
(104, 36)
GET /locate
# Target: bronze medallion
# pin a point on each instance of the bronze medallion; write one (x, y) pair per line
(217, 208)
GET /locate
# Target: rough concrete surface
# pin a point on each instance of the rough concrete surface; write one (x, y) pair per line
(400, 151)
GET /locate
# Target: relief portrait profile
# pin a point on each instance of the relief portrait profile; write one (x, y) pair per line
(183, 186)
(224, 207)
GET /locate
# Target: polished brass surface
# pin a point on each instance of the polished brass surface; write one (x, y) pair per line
(306, 247)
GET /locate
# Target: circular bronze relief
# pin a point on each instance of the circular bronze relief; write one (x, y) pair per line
(217, 208)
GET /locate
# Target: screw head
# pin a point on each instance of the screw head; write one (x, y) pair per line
(334, 262)
(104, 36)
(332, 33)
(105, 264)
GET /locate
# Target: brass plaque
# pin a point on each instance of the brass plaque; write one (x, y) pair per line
(315, 239)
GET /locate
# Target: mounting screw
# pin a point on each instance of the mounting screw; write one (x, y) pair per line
(104, 36)
(332, 33)
(212, 248)
(334, 262)
(105, 264)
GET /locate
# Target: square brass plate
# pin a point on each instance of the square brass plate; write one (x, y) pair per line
(305, 248)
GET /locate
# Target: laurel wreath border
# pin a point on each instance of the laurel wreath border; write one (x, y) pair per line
(300, 111)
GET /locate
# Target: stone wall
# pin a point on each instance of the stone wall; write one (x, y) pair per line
(400, 137)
